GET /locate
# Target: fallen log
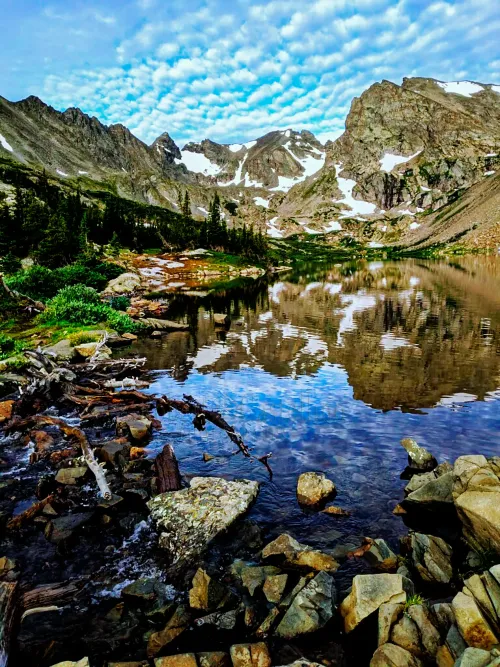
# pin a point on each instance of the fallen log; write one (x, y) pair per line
(167, 471)
(35, 509)
(75, 434)
(47, 595)
(7, 609)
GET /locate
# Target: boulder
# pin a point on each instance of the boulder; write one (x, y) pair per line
(63, 528)
(390, 655)
(311, 609)
(84, 662)
(314, 489)
(434, 494)
(286, 548)
(418, 457)
(207, 593)
(265, 627)
(406, 635)
(388, 614)
(369, 591)
(125, 283)
(142, 590)
(476, 492)
(175, 626)
(475, 586)
(250, 655)
(431, 558)
(222, 620)
(274, 587)
(428, 633)
(191, 518)
(473, 627)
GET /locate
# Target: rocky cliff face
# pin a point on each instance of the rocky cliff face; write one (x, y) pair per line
(406, 150)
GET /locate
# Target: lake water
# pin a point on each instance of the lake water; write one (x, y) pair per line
(328, 369)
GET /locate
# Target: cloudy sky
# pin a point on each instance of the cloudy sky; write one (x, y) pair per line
(232, 70)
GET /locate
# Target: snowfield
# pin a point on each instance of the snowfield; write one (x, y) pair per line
(465, 88)
(198, 163)
(5, 144)
(346, 186)
(390, 160)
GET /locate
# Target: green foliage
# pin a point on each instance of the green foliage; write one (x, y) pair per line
(412, 600)
(81, 305)
(119, 302)
(10, 263)
(9, 346)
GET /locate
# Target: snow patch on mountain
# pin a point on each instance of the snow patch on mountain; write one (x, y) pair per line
(358, 207)
(260, 201)
(333, 226)
(390, 160)
(198, 163)
(464, 88)
(5, 144)
(235, 148)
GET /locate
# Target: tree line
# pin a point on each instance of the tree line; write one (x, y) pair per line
(55, 227)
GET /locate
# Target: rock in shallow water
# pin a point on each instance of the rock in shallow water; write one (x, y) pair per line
(314, 489)
(287, 549)
(418, 457)
(191, 518)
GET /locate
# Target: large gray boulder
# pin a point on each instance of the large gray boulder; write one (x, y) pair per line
(126, 283)
(189, 519)
(311, 608)
(476, 493)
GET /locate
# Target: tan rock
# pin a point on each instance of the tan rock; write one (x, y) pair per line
(250, 655)
(84, 662)
(472, 625)
(214, 659)
(390, 655)
(181, 660)
(274, 587)
(6, 408)
(296, 554)
(388, 614)
(314, 489)
(476, 492)
(175, 626)
(71, 476)
(87, 350)
(369, 591)
(123, 284)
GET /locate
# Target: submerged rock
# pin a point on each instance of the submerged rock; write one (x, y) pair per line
(311, 608)
(369, 592)
(476, 492)
(191, 518)
(432, 558)
(314, 489)
(380, 556)
(418, 457)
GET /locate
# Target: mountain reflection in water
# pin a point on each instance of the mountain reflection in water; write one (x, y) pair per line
(329, 368)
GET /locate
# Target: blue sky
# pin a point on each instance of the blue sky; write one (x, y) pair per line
(232, 70)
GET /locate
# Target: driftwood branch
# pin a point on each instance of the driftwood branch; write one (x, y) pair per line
(167, 471)
(81, 439)
(35, 509)
(7, 616)
(201, 415)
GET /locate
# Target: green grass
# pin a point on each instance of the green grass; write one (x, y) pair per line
(413, 600)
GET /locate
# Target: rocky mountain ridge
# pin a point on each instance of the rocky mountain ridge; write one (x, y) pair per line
(407, 151)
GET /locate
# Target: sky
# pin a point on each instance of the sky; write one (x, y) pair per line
(232, 70)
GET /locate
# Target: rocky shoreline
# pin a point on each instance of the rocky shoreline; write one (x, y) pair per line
(207, 587)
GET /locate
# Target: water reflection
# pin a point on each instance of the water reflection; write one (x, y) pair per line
(329, 368)
(408, 334)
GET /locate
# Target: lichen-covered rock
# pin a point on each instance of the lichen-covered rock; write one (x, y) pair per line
(418, 457)
(476, 492)
(369, 591)
(274, 586)
(180, 660)
(432, 558)
(84, 662)
(473, 627)
(191, 518)
(254, 576)
(311, 608)
(214, 659)
(285, 548)
(390, 655)
(314, 489)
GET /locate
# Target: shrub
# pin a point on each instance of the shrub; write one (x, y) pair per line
(81, 305)
(7, 344)
(119, 302)
(42, 283)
